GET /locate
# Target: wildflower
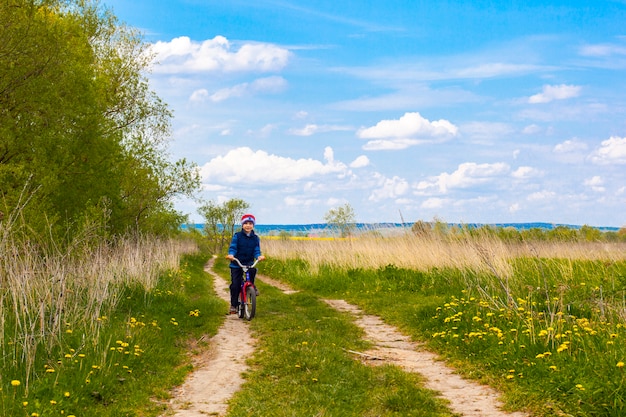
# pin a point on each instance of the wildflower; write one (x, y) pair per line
(510, 376)
(562, 347)
(15, 383)
(66, 394)
(553, 368)
(25, 403)
(314, 379)
(580, 387)
(53, 402)
(620, 364)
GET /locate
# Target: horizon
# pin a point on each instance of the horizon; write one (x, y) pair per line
(524, 225)
(490, 111)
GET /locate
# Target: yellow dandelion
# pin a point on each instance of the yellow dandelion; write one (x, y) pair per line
(52, 402)
(66, 394)
(510, 376)
(580, 387)
(15, 383)
(620, 364)
(553, 368)
(25, 403)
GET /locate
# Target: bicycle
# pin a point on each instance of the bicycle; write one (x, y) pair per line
(247, 295)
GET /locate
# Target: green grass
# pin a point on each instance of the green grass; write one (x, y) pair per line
(302, 368)
(129, 368)
(552, 337)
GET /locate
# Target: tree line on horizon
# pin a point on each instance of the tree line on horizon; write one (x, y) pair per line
(83, 138)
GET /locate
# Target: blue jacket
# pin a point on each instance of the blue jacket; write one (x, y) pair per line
(244, 247)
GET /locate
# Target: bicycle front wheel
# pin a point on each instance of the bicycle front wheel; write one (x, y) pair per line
(249, 307)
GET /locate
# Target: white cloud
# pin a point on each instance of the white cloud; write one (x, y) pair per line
(199, 95)
(541, 196)
(435, 203)
(526, 172)
(410, 125)
(568, 146)
(243, 165)
(514, 208)
(271, 85)
(182, 56)
(360, 162)
(555, 92)
(411, 129)
(602, 49)
(595, 183)
(612, 151)
(532, 129)
(390, 188)
(311, 129)
(467, 175)
(390, 145)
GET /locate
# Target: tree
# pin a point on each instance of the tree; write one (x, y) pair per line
(220, 220)
(80, 129)
(342, 218)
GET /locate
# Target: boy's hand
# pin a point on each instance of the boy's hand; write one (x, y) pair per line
(231, 257)
(260, 258)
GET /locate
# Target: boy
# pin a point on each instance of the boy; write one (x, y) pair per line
(245, 246)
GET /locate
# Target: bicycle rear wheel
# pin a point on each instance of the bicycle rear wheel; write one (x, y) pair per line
(249, 307)
(240, 307)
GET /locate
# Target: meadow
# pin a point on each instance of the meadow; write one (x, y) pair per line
(542, 321)
(107, 329)
(98, 328)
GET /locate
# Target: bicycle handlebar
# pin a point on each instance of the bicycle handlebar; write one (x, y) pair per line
(256, 261)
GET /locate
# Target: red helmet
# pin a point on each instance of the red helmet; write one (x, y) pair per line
(248, 218)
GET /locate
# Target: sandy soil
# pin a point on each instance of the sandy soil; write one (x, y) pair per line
(218, 370)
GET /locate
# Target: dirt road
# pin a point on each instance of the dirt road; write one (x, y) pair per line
(218, 370)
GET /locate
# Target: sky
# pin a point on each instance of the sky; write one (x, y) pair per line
(479, 111)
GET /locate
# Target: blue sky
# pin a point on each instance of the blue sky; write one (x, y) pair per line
(475, 112)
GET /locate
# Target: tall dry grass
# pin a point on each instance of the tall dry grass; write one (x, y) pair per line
(476, 253)
(46, 292)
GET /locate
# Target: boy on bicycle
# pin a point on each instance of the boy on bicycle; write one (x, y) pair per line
(245, 246)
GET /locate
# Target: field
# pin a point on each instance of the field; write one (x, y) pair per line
(105, 330)
(541, 321)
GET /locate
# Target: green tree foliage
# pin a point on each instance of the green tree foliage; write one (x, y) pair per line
(342, 218)
(80, 130)
(220, 220)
